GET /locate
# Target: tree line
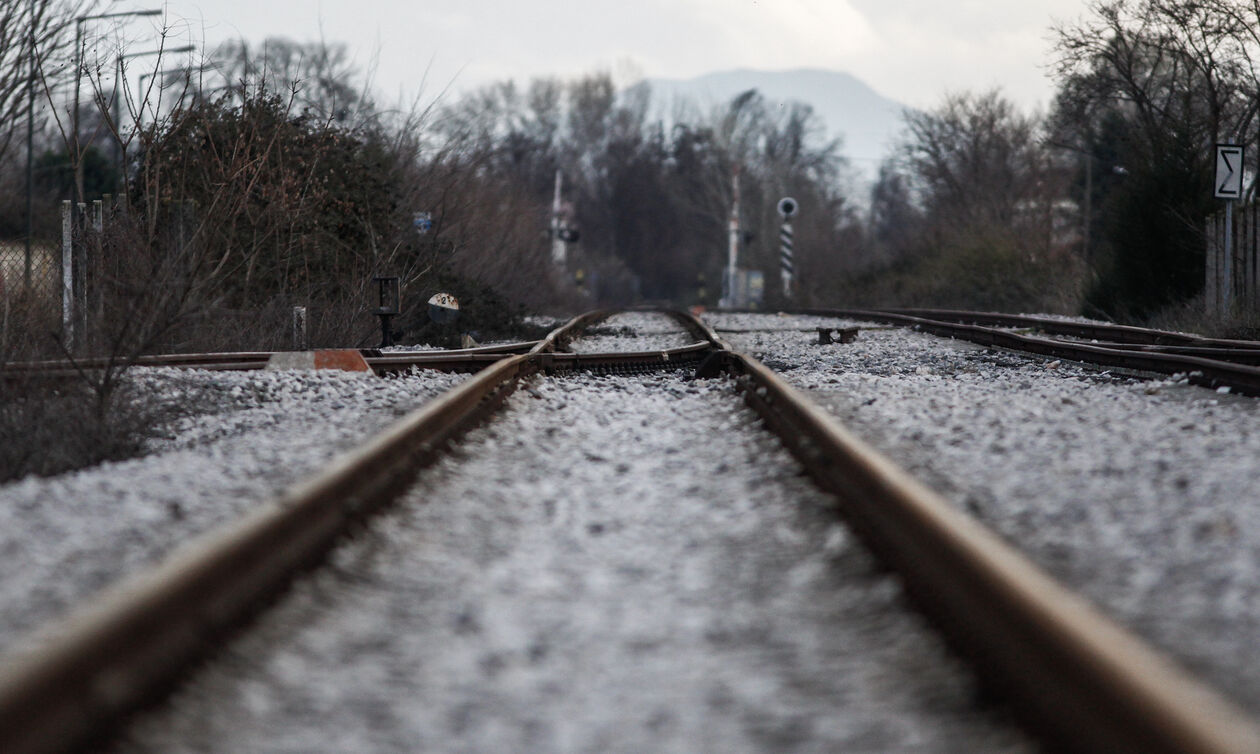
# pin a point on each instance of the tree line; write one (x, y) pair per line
(267, 176)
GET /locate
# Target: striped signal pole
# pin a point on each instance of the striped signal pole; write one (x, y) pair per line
(787, 270)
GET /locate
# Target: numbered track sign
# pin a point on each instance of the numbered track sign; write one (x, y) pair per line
(1229, 171)
(443, 308)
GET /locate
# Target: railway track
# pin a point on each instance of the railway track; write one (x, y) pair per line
(1077, 678)
(458, 360)
(1206, 362)
(1094, 331)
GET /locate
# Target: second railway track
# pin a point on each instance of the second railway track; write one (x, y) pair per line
(1093, 686)
(1208, 362)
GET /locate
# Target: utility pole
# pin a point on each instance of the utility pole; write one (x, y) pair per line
(1089, 204)
(76, 151)
(731, 297)
(30, 152)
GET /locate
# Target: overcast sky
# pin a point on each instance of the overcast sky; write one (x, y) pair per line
(910, 50)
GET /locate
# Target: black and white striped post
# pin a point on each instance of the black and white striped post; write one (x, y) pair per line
(787, 208)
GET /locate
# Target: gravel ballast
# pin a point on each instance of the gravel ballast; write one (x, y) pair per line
(618, 564)
(633, 331)
(633, 564)
(248, 437)
(1139, 494)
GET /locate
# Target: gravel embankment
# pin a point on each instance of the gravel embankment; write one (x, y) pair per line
(250, 436)
(1140, 495)
(619, 564)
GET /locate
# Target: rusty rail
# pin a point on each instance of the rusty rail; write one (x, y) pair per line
(119, 655)
(1078, 679)
(125, 650)
(453, 360)
(122, 652)
(458, 360)
(1089, 330)
(1208, 372)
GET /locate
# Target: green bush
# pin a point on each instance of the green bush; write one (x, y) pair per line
(987, 271)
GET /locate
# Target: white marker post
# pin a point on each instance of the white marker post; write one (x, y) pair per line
(732, 298)
(1228, 185)
(558, 255)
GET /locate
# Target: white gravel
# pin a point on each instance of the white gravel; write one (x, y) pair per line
(1141, 495)
(633, 331)
(252, 435)
(603, 599)
(614, 564)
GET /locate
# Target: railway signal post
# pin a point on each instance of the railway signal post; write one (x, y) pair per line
(787, 269)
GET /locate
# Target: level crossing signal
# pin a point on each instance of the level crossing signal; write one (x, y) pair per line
(787, 267)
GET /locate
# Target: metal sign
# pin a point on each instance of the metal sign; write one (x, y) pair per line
(443, 308)
(1229, 171)
(787, 206)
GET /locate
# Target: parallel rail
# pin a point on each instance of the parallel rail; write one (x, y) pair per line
(1076, 678)
(1079, 680)
(124, 651)
(1208, 372)
(1099, 331)
(463, 359)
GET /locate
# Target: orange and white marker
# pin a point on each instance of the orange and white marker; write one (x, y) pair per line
(344, 359)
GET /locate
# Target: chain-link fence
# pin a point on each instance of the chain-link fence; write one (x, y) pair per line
(37, 279)
(122, 280)
(30, 297)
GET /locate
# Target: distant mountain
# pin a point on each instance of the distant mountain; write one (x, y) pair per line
(866, 120)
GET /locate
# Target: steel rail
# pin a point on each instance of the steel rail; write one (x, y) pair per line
(95, 667)
(123, 652)
(560, 337)
(159, 360)
(1084, 682)
(1248, 356)
(1088, 330)
(131, 644)
(382, 363)
(1211, 373)
(1076, 677)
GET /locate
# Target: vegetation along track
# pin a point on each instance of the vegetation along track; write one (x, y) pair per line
(1208, 362)
(1080, 680)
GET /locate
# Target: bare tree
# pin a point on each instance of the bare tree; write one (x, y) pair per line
(35, 40)
(1146, 88)
(324, 82)
(976, 162)
(1180, 69)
